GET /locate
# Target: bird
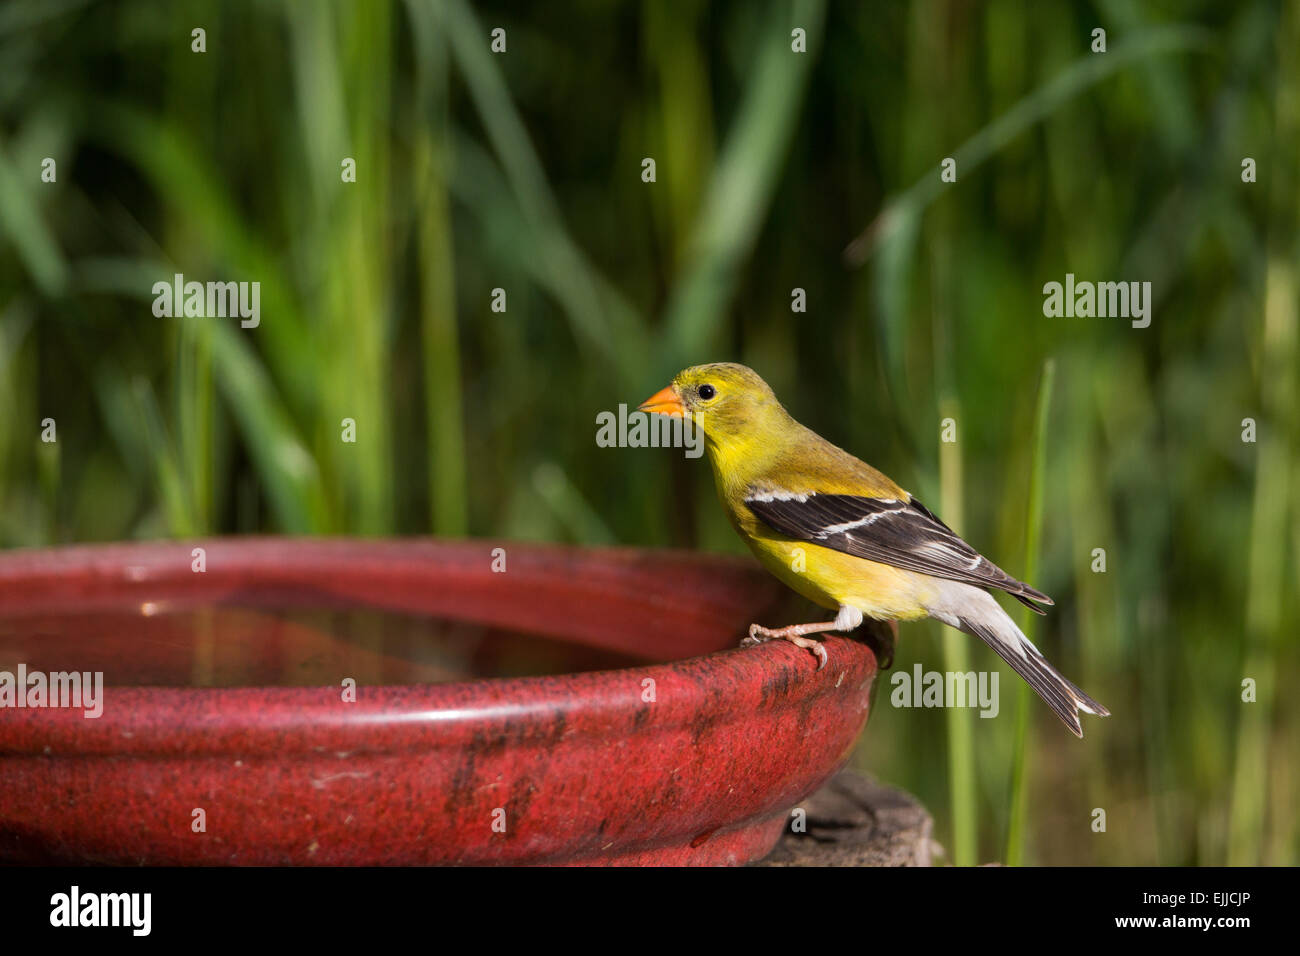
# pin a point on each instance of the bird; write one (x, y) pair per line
(844, 535)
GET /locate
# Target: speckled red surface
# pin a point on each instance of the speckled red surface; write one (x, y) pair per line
(580, 768)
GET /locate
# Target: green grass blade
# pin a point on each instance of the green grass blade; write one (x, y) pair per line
(956, 659)
(1085, 72)
(603, 322)
(1018, 823)
(740, 191)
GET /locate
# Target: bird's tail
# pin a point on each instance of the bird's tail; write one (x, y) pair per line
(974, 611)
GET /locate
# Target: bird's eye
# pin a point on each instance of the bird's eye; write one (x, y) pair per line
(707, 392)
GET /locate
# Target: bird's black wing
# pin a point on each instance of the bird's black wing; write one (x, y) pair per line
(898, 532)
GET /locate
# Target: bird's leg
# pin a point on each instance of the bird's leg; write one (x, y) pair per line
(846, 620)
(794, 634)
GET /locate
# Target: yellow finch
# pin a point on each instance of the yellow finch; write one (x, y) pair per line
(861, 544)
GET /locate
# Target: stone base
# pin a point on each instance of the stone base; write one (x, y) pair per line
(855, 821)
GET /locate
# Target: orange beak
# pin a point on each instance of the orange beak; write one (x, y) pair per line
(664, 402)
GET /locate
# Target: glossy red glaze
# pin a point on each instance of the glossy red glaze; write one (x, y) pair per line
(581, 767)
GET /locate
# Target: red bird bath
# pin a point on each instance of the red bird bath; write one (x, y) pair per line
(402, 702)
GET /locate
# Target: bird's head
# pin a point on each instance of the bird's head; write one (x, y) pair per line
(728, 402)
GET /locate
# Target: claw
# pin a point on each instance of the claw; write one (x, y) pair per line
(795, 635)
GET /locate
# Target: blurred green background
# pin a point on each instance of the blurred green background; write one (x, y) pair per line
(775, 170)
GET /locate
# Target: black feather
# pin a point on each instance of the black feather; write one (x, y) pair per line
(904, 534)
(1056, 689)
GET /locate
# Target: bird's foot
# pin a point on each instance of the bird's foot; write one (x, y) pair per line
(794, 634)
